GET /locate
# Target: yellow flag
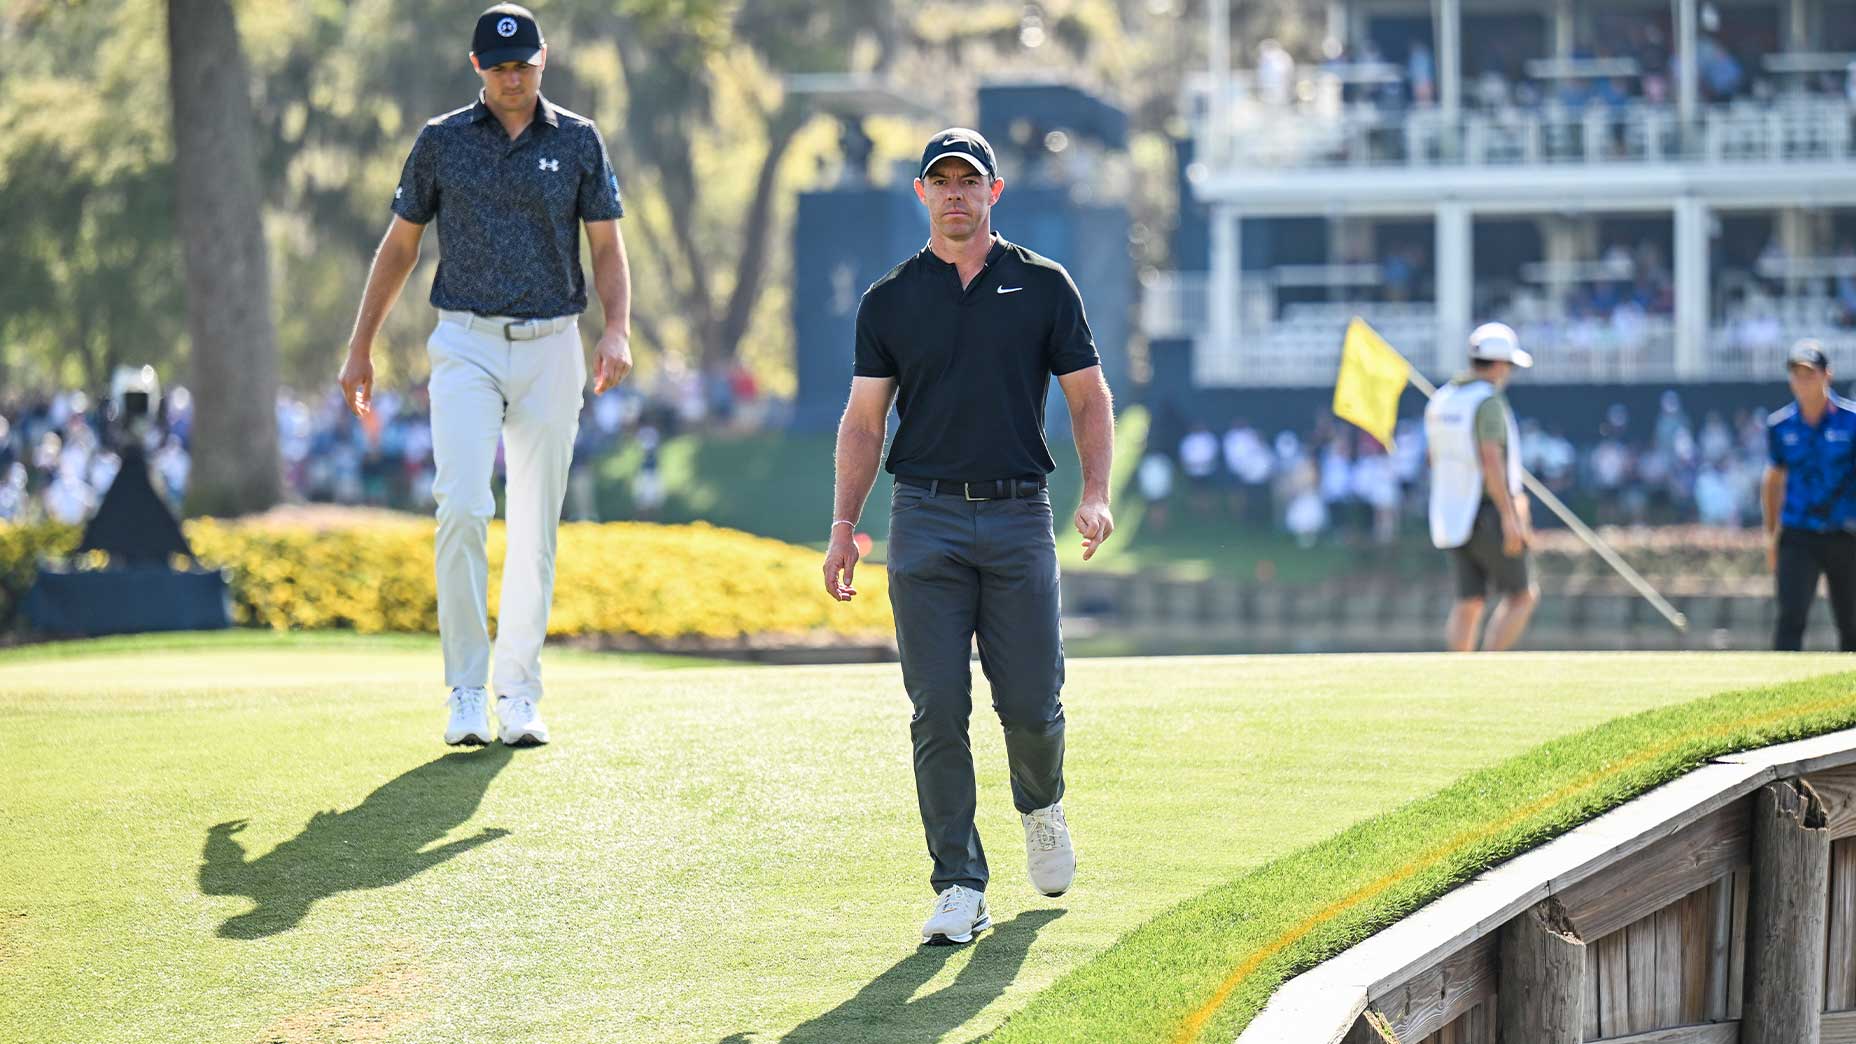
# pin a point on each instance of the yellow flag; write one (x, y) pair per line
(1372, 377)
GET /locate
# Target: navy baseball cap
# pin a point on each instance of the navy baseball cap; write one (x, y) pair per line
(964, 144)
(1807, 353)
(506, 33)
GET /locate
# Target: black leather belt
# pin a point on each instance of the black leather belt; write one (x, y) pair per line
(990, 489)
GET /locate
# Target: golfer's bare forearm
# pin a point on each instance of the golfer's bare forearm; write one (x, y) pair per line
(859, 452)
(1092, 419)
(1771, 499)
(393, 263)
(386, 277)
(612, 281)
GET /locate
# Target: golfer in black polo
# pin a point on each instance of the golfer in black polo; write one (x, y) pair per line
(964, 338)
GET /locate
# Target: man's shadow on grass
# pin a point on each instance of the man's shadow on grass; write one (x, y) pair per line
(382, 841)
(883, 1011)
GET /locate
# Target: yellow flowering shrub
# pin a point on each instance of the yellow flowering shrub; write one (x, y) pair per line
(21, 547)
(613, 578)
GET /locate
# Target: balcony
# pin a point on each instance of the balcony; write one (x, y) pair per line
(1299, 344)
(1316, 156)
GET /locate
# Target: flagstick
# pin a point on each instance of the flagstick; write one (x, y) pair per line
(1592, 540)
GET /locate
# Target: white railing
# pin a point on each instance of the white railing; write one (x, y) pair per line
(1260, 135)
(1301, 346)
(1173, 304)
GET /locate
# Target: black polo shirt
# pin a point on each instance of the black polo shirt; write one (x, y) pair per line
(973, 367)
(509, 212)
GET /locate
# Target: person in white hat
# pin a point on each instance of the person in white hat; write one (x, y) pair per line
(1478, 510)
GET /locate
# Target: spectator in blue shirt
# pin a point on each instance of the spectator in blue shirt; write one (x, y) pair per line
(1807, 500)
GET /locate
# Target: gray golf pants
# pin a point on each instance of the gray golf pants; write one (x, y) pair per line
(957, 569)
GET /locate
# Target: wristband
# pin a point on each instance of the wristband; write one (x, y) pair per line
(843, 522)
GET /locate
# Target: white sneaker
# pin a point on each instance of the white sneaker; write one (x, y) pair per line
(470, 717)
(959, 914)
(520, 722)
(1048, 852)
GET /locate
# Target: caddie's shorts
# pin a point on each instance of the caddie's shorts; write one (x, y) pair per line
(1481, 565)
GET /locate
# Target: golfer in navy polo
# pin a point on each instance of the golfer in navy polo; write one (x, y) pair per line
(963, 338)
(510, 180)
(1808, 500)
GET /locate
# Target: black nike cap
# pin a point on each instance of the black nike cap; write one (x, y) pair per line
(963, 144)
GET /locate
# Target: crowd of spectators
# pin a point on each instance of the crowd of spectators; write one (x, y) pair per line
(1334, 482)
(1625, 300)
(1628, 59)
(58, 454)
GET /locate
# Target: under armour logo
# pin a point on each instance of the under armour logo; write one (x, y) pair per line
(506, 27)
(549, 164)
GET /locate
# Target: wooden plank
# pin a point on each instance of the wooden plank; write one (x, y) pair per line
(1667, 924)
(1470, 976)
(1721, 899)
(1840, 961)
(1440, 995)
(1542, 977)
(1418, 1010)
(1670, 808)
(1736, 964)
(1479, 1024)
(1696, 915)
(1839, 1027)
(1786, 916)
(1837, 789)
(1684, 862)
(1714, 1033)
(1640, 998)
(1614, 985)
(1591, 993)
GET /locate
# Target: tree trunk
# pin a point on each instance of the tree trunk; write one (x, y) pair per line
(220, 212)
(757, 231)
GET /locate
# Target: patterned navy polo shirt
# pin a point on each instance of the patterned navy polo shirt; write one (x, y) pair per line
(509, 212)
(1819, 463)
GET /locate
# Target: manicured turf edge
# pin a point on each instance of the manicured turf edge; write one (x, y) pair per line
(1203, 970)
(260, 639)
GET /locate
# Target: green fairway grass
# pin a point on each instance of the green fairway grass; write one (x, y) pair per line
(261, 839)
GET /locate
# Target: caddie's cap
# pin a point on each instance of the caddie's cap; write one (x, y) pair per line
(1497, 342)
(1807, 353)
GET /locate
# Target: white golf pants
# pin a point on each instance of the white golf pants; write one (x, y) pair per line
(527, 393)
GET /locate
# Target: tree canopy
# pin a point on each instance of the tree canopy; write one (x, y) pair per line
(710, 150)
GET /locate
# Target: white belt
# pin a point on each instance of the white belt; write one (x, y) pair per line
(506, 328)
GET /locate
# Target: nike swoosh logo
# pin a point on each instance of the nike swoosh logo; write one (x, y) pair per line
(1010, 289)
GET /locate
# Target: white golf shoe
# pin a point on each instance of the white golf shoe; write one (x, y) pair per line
(959, 914)
(470, 717)
(1048, 853)
(520, 723)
